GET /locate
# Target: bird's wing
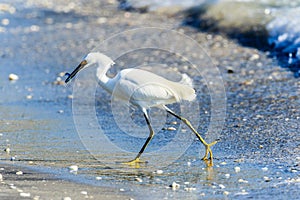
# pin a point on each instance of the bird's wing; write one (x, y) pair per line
(140, 85)
(147, 91)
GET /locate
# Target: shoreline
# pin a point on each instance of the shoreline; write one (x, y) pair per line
(22, 181)
(259, 133)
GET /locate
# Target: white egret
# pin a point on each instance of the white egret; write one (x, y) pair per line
(144, 90)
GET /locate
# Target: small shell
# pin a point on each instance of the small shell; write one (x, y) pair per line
(7, 150)
(171, 129)
(13, 77)
(242, 181)
(24, 194)
(175, 186)
(264, 169)
(19, 172)
(73, 168)
(222, 186)
(237, 169)
(138, 179)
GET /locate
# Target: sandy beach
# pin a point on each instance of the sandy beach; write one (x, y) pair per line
(22, 183)
(258, 153)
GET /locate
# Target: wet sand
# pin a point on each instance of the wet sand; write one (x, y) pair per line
(260, 134)
(32, 184)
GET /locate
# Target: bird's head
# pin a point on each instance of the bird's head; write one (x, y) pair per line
(91, 59)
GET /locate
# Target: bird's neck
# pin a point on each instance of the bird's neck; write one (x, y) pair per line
(104, 80)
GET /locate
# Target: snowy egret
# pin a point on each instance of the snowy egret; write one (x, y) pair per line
(144, 90)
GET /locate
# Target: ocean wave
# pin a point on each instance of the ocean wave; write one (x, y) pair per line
(284, 33)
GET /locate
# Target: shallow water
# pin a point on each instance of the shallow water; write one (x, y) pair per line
(37, 124)
(44, 143)
(40, 135)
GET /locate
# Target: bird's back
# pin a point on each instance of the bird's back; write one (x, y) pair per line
(147, 89)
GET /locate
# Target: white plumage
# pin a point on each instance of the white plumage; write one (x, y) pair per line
(143, 89)
(147, 90)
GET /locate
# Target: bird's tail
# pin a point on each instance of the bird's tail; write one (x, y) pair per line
(186, 80)
(188, 93)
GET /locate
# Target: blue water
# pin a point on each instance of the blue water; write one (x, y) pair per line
(284, 32)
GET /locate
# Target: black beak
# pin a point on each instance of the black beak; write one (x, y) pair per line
(80, 66)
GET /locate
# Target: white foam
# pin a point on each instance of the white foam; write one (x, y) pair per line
(284, 31)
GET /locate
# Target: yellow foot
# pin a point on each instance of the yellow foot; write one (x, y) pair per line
(136, 161)
(209, 151)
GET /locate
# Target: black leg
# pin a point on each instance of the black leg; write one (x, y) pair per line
(151, 134)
